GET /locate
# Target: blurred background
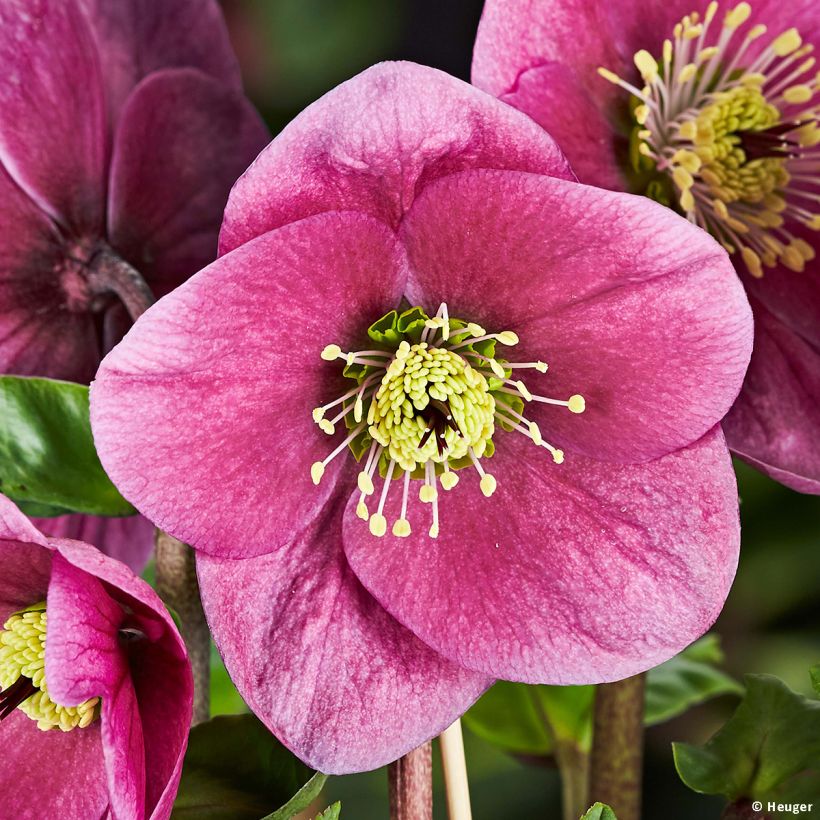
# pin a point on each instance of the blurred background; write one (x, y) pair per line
(292, 52)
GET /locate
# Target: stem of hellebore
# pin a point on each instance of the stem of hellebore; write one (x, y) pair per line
(573, 766)
(454, 764)
(616, 765)
(109, 273)
(178, 587)
(410, 779)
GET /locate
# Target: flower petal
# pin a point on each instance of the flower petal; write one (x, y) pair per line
(373, 142)
(51, 774)
(182, 141)
(206, 405)
(85, 659)
(129, 539)
(26, 561)
(330, 673)
(631, 306)
(52, 132)
(775, 421)
(136, 38)
(575, 573)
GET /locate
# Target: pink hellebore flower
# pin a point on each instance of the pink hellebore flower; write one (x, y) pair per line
(710, 108)
(122, 128)
(96, 686)
(395, 268)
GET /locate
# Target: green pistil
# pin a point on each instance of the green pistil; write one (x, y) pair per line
(22, 673)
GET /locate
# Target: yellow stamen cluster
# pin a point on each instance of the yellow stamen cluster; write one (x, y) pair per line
(22, 654)
(736, 137)
(421, 374)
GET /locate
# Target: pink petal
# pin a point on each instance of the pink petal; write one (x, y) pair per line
(372, 144)
(219, 420)
(331, 674)
(136, 38)
(631, 306)
(51, 774)
(574, 573)
(129, 539)
(182, 141)
(85, 659)
(775, 421)
(26, 561)
(52, 132)
(14, 526)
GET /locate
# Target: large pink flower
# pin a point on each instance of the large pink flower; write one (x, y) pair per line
(719, 124)
(122, 128)
(79, 629)
(356, 641)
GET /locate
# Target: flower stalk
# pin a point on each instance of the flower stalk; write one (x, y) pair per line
(617, 746)
(110, 273)
(410, 780)
(178, 587)
(454, 765)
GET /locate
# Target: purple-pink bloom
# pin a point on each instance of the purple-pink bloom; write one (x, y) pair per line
(123, 128)
(110, 655)
(712, 109)
(359, 616)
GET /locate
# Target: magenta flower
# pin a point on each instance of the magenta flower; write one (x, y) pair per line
(711, 109)
(123, 128)
(397, 267)
(96, 686)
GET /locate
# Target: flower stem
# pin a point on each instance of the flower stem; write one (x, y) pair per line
(617, 747)
(573, 765)
(110, 273)
(178, 587)
(411, 785)
(454, 765)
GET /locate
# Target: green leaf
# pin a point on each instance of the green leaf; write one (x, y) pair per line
(47, 455)
(236, 770)
(600, 812)
(526, 720)
(687, 680)
(773, 736)
(34, 510)
(331, 812)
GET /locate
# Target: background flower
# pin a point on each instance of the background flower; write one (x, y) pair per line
(123, 128)
(108, 636)
(542, 57)
(380, 189)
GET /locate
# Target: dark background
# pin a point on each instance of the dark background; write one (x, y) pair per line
(292, 51)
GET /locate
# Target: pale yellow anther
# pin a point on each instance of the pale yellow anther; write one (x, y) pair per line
(361, 511)
(683, 179)
(378, 525)
(475, 330)
(497, 369)
(647, 65)
(753, 78)
(327, 426)
(641, 114)
(644, 134)
(737, 16)
(667, 51)
(331, 352)
(692, 32)
(541, 367)
(787, 42)
(804, 249)
(433, 531)
(752, 261)
(358, 409)
(798, 94)
(576, 404)
(365, 483)
(809, 135)
(720, 208)
(706, 54)
(523, 390)
(318, 414)
(609, 75)
(507, 337)
(317, 470)
(687, 72)
(813, 222)
(448, 480)
(488, 485)
(756, 31)
(403, 350)
(793, 260)
(401, 528)
(558, 456)
(688, 130)
(645, 150)
(535, 432)
(688, 160)
(687, 201)
(427, 493)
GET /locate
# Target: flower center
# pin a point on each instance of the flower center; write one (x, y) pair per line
(23, 675)
(427, 400)
(732, 140)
